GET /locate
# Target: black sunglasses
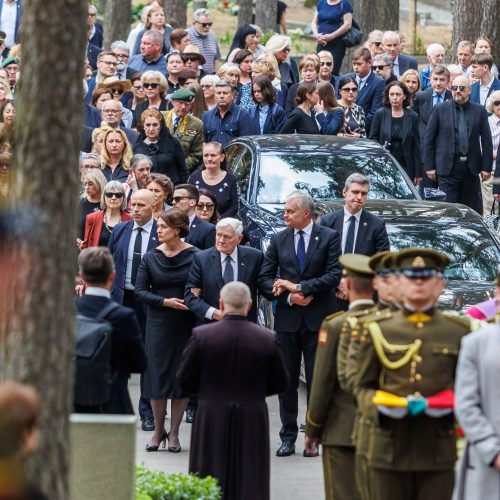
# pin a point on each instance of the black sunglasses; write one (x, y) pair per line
(461, 88)
(380, 67)
(179, 198)
(119, 91)
(377, 44)
(150, 85)
(205, 206)
(496, 103)
(116, 195)
(350, 89)
(286, 50)
(205, 25)
(326, 63)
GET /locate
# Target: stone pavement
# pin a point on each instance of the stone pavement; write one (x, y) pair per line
(293, 477)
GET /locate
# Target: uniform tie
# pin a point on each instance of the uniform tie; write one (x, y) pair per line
(349, 241)
(176, 123)
(228, 275)
(301, 251)
(137, 256)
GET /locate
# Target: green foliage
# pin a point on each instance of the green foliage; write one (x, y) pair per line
(419, 45)
(155, 485)
(136, 12)
(226, 38)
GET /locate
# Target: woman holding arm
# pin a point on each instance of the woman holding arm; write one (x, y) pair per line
(329, 114)
(301, 119)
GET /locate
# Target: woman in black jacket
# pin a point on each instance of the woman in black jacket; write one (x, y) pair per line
(267, 115)
(301, 120)
(164, 151)
(396, 127)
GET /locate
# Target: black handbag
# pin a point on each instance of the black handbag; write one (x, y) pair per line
(354, 35)
(493, 219)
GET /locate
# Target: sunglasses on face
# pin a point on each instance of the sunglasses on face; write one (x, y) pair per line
(205, 25)
(286, 50)
(205, 206)
(150, 85)
(116, 195)
(350, 89)
(325, 63)
(118, 91)
(496, 103)
(379, 67)
(176, 199)
(377, 44)
(460, 88)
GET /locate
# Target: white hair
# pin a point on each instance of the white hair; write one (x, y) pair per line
(199, 13)
(236, 296)
(433, 48)
(390, 35)
(120, 45)
(305, 200)
(234, 224)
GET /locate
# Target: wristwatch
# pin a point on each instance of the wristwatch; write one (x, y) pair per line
(298, 288)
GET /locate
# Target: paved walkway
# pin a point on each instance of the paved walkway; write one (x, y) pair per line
(293, 477)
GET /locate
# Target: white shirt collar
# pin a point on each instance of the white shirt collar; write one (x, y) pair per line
(97, 291)
(191, 218)
(487, 86)
(307, 229)
(348, 214)
(147, 227)
(233, 255)
(361, 302)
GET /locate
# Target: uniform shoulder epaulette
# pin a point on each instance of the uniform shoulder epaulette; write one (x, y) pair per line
(378, 316)
(465, 321)
(334, 315)
(362, 312)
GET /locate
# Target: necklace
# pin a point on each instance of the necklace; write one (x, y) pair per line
(109, 227)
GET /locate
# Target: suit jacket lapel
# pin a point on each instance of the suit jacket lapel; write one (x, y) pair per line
(313, 244)
(153, 237)
(126, 241)
(406, 127)
(242, 266)
(363, 226)
(217, 267)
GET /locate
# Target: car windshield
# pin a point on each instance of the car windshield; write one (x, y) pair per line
(471, 249)
(323, 175)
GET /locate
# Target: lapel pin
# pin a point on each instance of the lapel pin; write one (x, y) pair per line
(365, 224)
(317, 238)
(153, 238)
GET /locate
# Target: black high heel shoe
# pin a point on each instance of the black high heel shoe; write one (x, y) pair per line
(174, 449)
(154, 447)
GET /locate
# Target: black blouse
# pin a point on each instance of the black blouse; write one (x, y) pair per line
(300, 123)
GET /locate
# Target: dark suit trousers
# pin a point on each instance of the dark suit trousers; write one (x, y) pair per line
(129, 301)
(294, 345)
(462, 186)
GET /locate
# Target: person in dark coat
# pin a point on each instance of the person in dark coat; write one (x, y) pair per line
(127, 349)
(233, 365)
(267, 116)
(301, 120)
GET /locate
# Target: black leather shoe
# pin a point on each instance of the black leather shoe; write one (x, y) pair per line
(190, 414)
(313, 453)
(286, 449)
(148, 424)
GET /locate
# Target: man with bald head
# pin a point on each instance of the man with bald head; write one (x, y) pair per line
(458, 146)
(129, 241)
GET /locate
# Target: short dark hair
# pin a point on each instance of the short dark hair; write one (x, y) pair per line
(192, 190)
(266, 88)
(303, 89)
(215, 216)
(482, 59)
(361, 285)
(362, 53)
(163, 181)
(177, 35)
(96, 264)
(240, 55)
(176, 219)
(347, 79)
(439, 69)
(403, 87)
(187, 74)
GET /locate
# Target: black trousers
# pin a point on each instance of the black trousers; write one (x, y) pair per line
(462, 186)
(145, 409)
(294, 345)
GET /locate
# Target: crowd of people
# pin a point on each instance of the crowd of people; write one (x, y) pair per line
(159, 234)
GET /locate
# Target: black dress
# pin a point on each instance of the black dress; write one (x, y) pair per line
(167, 329)
(299, 122)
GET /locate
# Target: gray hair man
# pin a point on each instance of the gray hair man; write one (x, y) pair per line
(204, 38)
(235, 298)
(120, 48)
(382, 66)
(391, 43)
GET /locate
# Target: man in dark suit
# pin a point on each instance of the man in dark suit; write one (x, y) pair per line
(370, 85)
(111, 113)
(458, 147)
(201, 233)
(360, 231)
(129, 241)
(392, 46)
(127, 348)
(487, 84)
(233, 365)
(305, 257)
(424, 103)
(210, 271)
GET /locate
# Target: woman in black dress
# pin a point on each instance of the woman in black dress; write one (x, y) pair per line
(301, 120)
(160, 284)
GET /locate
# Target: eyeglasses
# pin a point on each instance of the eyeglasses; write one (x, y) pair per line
(89, 165)
(118, 91)
(460, 88)
(377, 44)
(113, 111)
(379, 67)
(176, 199)
(205, 25)
(205, 206)
(116, 195)
(326, 63)
(496, 103)
(109, 63)
(350, 89)
(286, 50)
(207, 86)
(150, 85)
(190, 59)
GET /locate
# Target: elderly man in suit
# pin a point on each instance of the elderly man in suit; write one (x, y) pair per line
(129, 241)
(360, 231)
(458, 147)
(301, 270)
(213, 268)
(233, 365)
(391, 43)
(127, 348)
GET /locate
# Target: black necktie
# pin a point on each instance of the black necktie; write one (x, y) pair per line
(301, 251)
(463, 134)
(136, 258)
(228, 275)
(349, 241)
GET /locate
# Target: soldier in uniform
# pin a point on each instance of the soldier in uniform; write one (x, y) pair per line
(331, 411)
(407, 362)
(186, 128)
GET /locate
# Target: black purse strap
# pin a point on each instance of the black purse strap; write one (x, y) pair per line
(492, 212)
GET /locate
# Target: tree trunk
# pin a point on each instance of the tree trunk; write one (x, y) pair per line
(36, 342)
(470, 23)
(266, 13)
(176, 11)
(117, 21)
(245, 12)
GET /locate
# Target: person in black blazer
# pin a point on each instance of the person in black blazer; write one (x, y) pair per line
(208, 272)
(201, 233)
(127, 348)
(459, 163)
(369, 234)
(396, 127)
(391, 44)
(301, 120)
(300, 270)
(264, 95)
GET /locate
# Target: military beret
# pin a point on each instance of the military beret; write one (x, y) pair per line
(356, 265)
(421, 262)
(182, 95)
(9, 61)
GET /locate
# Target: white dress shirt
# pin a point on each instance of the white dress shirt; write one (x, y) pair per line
(483, 91)
(146, 233)
(8, 21)
(347, 216)
(98, 291)
(395, 66)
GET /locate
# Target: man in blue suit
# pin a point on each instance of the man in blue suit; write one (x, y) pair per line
(481, 65)
(300, 270)
(392, 47)
(129, 241)
(209, 272)
(371, 86)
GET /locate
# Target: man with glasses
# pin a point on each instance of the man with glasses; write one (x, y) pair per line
(112, 114)
(374, 42)
(120, 49)
(391, 43)
(106, 67)
(458, 147)
(117, 88)
(382, 66)
(201, 36)
(151, 57)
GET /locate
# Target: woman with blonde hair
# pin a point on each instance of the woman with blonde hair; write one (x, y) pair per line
(411, 79)
(5, 93)
(94, 182)
(279, 46)
(266, 65)
(115, 155)
(155, 87)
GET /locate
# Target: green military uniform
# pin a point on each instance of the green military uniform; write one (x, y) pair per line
(189, 131)
(410, 353)
(331, 410)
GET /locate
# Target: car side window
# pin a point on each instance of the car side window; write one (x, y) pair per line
(242, 171)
